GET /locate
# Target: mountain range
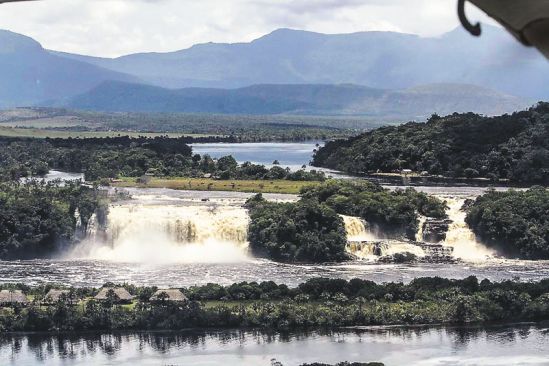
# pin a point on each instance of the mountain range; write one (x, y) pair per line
(287, 71)
(311, 99)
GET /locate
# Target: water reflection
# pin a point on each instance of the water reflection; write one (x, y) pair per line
(495, 345)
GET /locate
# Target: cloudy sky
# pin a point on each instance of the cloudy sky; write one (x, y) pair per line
(118, 27)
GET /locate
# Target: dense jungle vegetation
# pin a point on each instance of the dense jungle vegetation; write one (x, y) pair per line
(311, 229)
(514, 147)
(305, 231)
(515, 222)
(111, 157)
(394, 212)
(317, 303)
(37, 219)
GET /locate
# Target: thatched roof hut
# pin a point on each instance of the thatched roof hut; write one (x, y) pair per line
(120, 294)
(54, 296)
(12, 297)
(173, 295)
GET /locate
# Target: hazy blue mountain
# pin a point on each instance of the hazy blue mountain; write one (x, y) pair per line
(29, 74)
(316, 99)
(377, 59)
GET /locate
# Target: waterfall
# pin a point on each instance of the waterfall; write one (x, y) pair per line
(462, 238)
(356, 229)
(168, 233)
(419, 234)
(365, 245)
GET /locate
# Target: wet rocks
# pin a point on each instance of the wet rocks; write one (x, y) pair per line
(434, 231)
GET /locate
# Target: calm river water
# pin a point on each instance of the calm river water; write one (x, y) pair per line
(396, 346)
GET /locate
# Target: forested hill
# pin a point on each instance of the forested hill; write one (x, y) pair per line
(514, 147)
(299, 99)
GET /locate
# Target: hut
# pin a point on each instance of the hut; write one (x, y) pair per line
(12, 297)
(54, 296)
(173, 295)
(121, 295)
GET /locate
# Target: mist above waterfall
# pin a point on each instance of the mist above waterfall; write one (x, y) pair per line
(168, 234)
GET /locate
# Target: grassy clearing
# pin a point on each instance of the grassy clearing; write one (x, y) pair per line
(43, 133)
(205, 184)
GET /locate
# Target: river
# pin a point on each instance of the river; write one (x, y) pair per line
(143, 246)
(520, 344)
(173, 238)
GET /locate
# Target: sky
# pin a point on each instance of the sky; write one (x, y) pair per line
(111, 28)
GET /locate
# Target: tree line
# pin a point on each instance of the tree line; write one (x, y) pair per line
(317, 303)
(513, 147)
(112, 157)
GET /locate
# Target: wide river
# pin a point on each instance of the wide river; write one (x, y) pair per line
(143, 246)
(520, 345)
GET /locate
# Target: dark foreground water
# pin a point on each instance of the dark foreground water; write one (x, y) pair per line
(497, 345)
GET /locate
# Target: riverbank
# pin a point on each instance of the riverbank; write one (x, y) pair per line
(317, 303)
(209, 184)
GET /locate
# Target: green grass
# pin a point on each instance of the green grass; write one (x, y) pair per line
(43, 133)
(205, 184)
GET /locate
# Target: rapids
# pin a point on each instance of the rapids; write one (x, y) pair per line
(149, 250)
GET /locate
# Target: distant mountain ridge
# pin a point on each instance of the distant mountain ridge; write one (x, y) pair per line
(29, 74)
(377, 59)
(312, 99)
(287, 71)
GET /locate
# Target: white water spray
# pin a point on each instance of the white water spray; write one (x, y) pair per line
(365, 245)
(460, 237)
(169, 234)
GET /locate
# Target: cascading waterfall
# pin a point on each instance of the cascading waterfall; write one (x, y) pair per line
(168, 233)
(461, 238)
(419, 234)
(356, 229)
(365, 245)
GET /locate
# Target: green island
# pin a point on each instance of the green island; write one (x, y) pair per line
(516, 222)
(312, 230)
(512, 147)
(317, 303)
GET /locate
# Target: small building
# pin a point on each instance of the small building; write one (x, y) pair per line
(13, 297)
(54, 296)
(121, 295)
(173, 295)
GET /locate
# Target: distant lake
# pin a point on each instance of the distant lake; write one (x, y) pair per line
(291, 154)
(394, 346)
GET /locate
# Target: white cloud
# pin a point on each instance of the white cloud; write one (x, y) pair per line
(117, 27)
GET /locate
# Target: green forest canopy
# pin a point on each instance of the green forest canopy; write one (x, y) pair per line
(514, 147)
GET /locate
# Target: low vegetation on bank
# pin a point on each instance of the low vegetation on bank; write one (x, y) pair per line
(101, 159)
(283, 186)
(317, 303)
(515, 222)
(38, 219)
(514, 147)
